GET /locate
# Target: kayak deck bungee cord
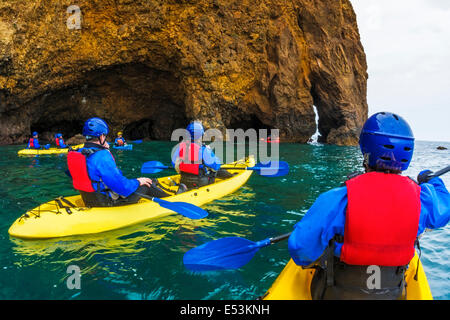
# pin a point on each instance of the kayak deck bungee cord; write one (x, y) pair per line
(66, 216)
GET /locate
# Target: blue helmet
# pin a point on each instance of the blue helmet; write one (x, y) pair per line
(95, 127)
(387, 142)
(195, 129)
(59, 135)
(35, 133)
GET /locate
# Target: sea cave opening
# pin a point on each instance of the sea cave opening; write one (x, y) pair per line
(250, 121)
(142, 102)
(328, 115)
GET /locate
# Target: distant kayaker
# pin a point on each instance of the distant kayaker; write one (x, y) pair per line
(120, 140)
(59, 141)
(33, 143)
(373, 221)
(96, 176)
(196, 162)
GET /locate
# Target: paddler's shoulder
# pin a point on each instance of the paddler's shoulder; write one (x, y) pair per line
(91, 149)
(334, 195)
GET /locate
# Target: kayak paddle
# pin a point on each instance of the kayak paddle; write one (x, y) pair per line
(153, 167)
(136, 141)
(271, 169)
(226, 253)
(430, 175)
(185, 209)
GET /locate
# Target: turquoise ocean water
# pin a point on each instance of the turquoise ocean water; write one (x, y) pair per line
(145, 261)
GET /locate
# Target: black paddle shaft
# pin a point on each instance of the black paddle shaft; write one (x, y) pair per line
(280, 238)
(430, 175)
(144, 196)
(440, 172)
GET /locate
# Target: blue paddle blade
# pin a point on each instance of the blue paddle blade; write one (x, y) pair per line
(186, 209)
(272, 168)
(222, 254)
(153, 167)
(137, 141)
(47, 146)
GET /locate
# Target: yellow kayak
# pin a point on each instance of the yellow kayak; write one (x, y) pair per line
(52, 219)
(294, 282)
(34, 152)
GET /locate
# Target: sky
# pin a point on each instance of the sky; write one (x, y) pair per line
(407, 44)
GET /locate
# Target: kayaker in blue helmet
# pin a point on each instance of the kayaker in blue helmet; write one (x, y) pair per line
(196, 162)
(59, 141)
(33, 142)
(96, 176)
(374, 220)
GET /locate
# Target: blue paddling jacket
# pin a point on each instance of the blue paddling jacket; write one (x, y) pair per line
(60, 143)
(102, 167)
(326, 218)
(33, 143)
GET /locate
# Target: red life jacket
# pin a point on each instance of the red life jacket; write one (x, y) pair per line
(76, 162)
(381, 221)
(120, 142)
(31, 143)
(190, 160)
(57, 142)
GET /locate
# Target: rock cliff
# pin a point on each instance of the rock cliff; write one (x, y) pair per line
(149, 66)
